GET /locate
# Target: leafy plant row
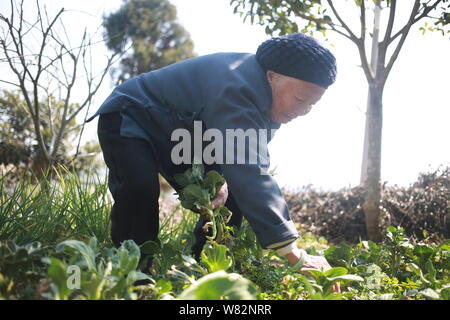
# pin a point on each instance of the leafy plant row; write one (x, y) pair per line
(232, 264)
(394, 269)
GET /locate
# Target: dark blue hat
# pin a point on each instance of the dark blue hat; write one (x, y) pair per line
(299, 56)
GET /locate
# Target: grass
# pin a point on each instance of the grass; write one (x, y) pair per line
(71, 207)
(55, 210)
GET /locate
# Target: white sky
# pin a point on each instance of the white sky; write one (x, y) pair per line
(323, 148)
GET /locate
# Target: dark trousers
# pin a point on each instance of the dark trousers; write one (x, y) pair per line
(134, 184)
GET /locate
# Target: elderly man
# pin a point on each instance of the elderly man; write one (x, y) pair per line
(223, 91)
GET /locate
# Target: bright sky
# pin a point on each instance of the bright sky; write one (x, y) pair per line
(324, 148)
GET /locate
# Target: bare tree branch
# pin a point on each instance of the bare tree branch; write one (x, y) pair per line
(364, 61)
(333, 27)
(346, 27)
(89, 80)
(12, 83)
(361, 44)
(362, 18)
(329, 23)
(390, 24)
(93, 92)
(88, 100)
(44, 38)
(54, 61)
(410, 23)
(20, 77)
(18, 46)
(399, 46)
(310, 18)
(64, 120)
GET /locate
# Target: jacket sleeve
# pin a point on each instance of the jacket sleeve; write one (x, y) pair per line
(257, 194)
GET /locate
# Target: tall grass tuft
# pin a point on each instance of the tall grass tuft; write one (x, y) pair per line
(70, 206)
(55, 210)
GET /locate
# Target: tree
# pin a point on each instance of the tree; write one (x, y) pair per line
(45, 64)
(285, 16)
(157, 40)
(18, 146)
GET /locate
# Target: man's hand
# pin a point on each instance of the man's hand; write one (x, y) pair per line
(221, 196)
(313, 262)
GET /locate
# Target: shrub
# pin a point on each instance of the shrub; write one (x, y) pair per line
(420, 209)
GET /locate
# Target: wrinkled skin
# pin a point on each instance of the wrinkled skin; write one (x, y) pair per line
(291, 98)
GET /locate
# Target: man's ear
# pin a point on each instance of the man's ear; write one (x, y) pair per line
(270, 76)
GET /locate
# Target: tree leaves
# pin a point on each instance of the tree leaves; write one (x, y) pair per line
(156, 38)
(281, 17)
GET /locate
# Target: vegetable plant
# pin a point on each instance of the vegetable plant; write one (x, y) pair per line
(198, 190)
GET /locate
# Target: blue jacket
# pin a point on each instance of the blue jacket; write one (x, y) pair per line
(224, 91)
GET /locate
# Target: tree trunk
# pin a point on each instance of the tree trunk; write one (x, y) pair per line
(372, 186)
(41, 168)
(373, 70)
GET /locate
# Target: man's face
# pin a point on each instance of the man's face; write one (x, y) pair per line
(291, 97)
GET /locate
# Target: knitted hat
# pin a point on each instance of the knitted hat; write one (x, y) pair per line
(299, 56)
